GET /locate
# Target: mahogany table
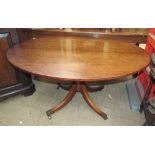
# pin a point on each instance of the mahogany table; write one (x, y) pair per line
(78, 60)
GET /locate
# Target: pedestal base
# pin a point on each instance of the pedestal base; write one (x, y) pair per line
(78, 87)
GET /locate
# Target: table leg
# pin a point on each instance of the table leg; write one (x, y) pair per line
(64, 102)
(91, 103)
(78, 87)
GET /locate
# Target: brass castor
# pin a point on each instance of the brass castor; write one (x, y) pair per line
(104, 116)
(49, 115)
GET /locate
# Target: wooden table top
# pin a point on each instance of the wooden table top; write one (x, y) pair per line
(74, 58)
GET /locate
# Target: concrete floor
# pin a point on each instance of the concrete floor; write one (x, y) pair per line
(113, 99)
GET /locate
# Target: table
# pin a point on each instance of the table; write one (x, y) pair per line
(78, 60)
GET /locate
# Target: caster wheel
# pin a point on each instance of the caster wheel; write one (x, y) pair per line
(49, 117)
(104, 116)
(58, 86)
(48, 113)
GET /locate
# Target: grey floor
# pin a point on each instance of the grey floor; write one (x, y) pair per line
(113, 99)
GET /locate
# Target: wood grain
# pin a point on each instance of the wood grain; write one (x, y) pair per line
(64, 102)
(131, 35)
(75, 58)
(7, 73)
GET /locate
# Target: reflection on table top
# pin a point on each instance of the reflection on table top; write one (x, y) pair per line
(75, 58)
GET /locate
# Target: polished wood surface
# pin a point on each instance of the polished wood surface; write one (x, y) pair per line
(7, 73)
(73, 58)
(78, 60)
(83, 89)
(64, 102)
(91, 103)
(131, 35)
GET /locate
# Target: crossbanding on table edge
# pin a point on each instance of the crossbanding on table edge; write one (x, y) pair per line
(78, 60)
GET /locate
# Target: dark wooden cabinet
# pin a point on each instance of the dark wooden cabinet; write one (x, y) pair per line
(12, 81)
(7, 73)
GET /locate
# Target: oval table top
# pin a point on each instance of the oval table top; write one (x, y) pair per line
(75, 58)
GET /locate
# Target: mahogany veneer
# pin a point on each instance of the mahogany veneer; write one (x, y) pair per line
(7, 73)
(78, 60)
